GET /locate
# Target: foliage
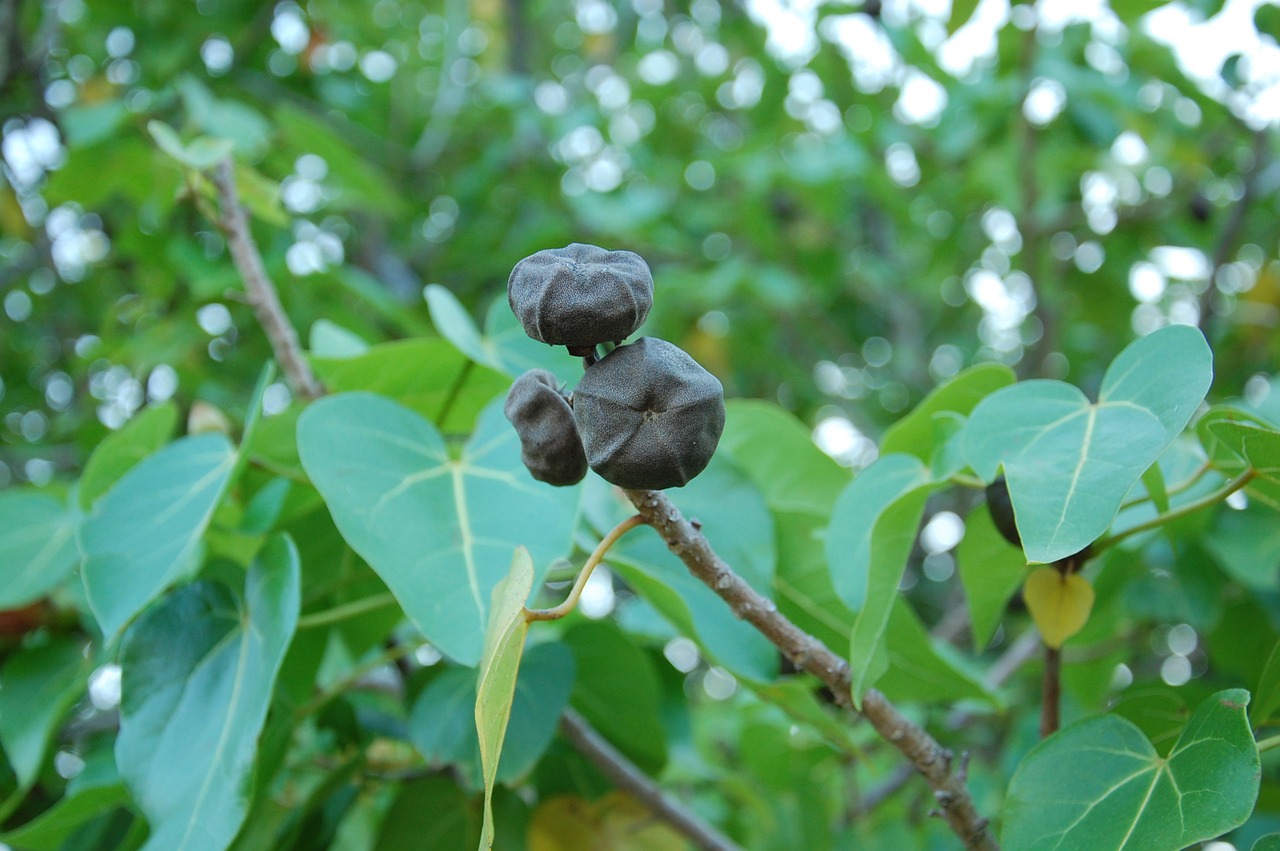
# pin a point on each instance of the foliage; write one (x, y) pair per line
(236, 618)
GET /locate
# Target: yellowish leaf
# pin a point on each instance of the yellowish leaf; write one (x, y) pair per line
(1059, 604)
(616, 822)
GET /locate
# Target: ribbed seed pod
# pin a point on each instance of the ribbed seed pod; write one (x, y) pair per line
(549, 443)
(581, 295)
(650, 417)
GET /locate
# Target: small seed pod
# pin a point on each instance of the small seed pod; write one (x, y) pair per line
(549, 442)
(649, 415)
(581, 295)
(1001, 508)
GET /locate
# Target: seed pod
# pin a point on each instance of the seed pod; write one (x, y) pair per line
(549, 442)
(581, 295)
(1001, 508)
(649, 415)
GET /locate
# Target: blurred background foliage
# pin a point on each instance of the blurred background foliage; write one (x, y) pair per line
(842, 204)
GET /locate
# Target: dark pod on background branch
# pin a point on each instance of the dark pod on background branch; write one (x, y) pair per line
(650, 416)
(580, 295)
(549, 443)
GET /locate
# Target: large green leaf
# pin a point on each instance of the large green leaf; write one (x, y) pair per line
(144, 534)
(778, 454)
(442, 724)
(873, 527)
(917, 433)
(1100, 784)
(922, 668)
(733, 515)
(991, 571)
(40, 684)
(1236, 441)
(121, 450)
(504, 636)
(197, 677)
(430, 377)
(1070, 462)
(37, 546)
(611, 673)
(805, 593)
(438, 530)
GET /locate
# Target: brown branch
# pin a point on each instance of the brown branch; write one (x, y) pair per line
(262, 293)
(1051, 692)
(625, 775)
(807, 653)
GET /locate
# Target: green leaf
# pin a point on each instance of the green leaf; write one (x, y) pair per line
(37, 546)
(734, 516)
(1153, 481)
(456, 325)
(803, 582)
(1268, 691)
(991, 571)
(442, 723)
(916, 433)
(1069, 462)
(961, 12)
(503, 646)
(778, 454)
(120, 450)
(198, 672)
(144, 534)
(1236, 441)
(1270, 842)
(922, 668)
(513, 351)
(1099, 784)
(331, 340)
(203, 152)
(1247, 545)
(438, 531)
(51, 830)
(40, 685)
(1129, 11)
(611, 673)
(873, 526)
(430, 377)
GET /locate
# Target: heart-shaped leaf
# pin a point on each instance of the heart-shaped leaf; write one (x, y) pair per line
(1059, 603)
(198, 672)
(438, 530)
(873, 526)
(1070, 462)
(1099, 784)
(1236, 441)
(145, 533)
(499, 666)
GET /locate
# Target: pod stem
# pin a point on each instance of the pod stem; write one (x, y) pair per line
(571, 602)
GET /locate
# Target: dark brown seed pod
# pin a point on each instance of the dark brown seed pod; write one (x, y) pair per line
(650, 417)
(549, 442)
(580, 295)
(1001, 508)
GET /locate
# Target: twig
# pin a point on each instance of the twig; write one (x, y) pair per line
(1051, 692)
(625, 775)
(807, 653)
(1173, 514)
(597, 556)
(262, 293)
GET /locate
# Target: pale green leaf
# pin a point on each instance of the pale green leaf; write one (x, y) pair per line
(916, 433)
(456, 325)
(120, 450)
(499, 666)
